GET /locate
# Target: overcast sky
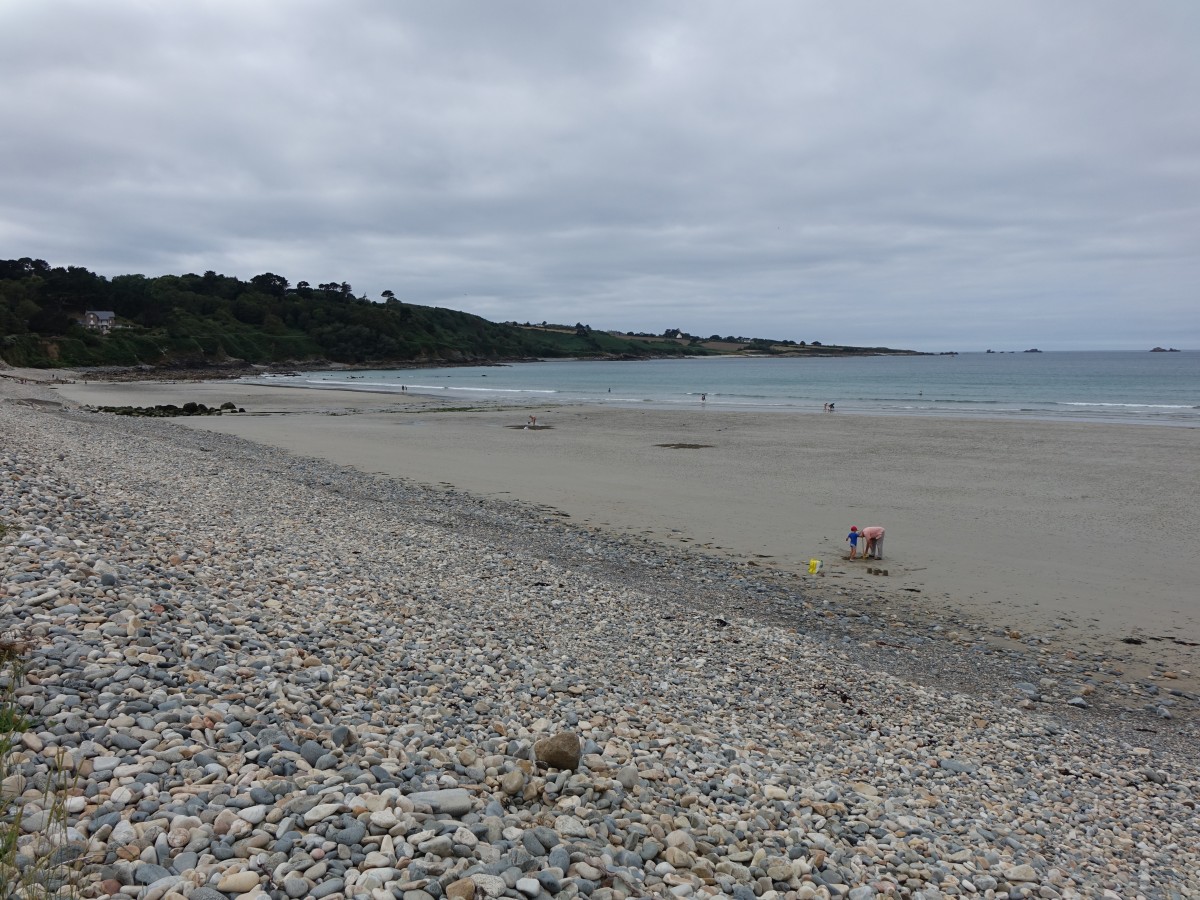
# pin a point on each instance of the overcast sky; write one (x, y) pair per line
(941, 176)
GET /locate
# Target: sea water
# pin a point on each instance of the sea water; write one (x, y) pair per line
(1141, 388)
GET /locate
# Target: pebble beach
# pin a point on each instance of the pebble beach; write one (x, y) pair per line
(272, 676)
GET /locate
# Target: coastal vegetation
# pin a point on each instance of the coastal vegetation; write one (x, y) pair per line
(37, 860)
(70, 316)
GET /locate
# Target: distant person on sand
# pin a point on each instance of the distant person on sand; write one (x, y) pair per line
(852, 538)
(874, 536)
(703, 398)
(532, 422)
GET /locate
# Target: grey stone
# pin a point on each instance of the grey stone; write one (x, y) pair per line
(957, 766)
(530, 842)
(148, 873)
(296, 886)
(311, 751)
(352, 833)
(271, 737)
(627, 776)
(442, 845)
(549, 881)
(453, 801)
(325, 888)
(650, 849)
(559, 858)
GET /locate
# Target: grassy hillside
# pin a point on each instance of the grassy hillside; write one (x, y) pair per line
(211, 319)
(199, 321)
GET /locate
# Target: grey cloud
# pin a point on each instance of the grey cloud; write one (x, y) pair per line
(917, 174)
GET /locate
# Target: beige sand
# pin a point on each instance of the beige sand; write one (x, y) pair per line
(1080, 533)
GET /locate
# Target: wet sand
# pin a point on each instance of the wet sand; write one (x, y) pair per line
(1070, 536)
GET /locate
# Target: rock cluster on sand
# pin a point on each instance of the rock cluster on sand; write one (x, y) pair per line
(272, 677)
(170, 410)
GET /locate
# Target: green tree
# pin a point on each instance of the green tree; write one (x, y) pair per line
(270, 283)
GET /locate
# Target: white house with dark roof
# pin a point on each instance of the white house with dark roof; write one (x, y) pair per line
(101, 320)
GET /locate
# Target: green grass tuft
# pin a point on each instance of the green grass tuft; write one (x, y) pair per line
(38, 866)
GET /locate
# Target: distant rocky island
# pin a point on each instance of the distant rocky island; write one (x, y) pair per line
(1164, 350)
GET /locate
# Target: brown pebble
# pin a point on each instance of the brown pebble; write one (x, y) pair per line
(562, 751)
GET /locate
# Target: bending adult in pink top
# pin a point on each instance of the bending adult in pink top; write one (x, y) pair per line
(874, 536)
